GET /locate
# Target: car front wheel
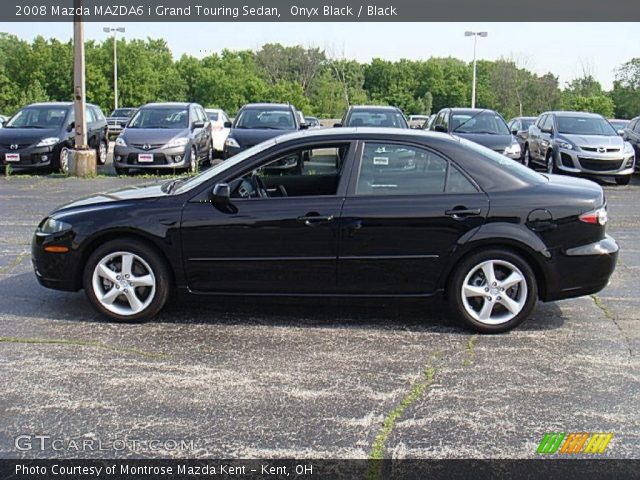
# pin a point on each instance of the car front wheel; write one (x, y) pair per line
(493, 291)
(623, 179)
(127, 281)
(102, 152)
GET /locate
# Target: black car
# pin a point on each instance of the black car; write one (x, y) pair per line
(164, 136)
(519, 127)
(489, 233)
(373, 116)
(257, 122)
(41, 136)
(631, 134)
(479, 125)
(118, 120)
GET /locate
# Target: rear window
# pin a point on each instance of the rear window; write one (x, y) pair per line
(516, 169)
(213, 116)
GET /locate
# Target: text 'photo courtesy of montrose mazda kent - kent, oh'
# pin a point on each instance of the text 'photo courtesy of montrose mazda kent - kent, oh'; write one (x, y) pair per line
(341, 212)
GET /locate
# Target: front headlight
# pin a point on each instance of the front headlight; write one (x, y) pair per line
(48, 142)
(628, 148)
(51, 225)
(513, 149)
(565, 145)
(177, 142)
(231, 142)
(120, 142)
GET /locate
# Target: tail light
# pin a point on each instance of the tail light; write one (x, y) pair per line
(596, 217)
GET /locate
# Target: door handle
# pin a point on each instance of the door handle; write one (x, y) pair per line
(460, 213)
(313, 220)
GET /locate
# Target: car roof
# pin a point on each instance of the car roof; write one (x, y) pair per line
(57, 104)
(167, 104)
(275, 106)
(374, 107)
(377, 131)
(568, 113)
(471, 110)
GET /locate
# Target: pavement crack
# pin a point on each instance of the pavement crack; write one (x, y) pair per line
(609, 314)
(16, 261)
(81, 343)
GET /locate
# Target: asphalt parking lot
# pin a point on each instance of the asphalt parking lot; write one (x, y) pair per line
(308, 379)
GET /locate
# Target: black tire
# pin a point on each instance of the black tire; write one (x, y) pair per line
(121, 171)
(551, 164)
(526, 156)
(623, 179)
(62, 165)
(151, 257)
(470, 263)
(102, 159)
(194, 161)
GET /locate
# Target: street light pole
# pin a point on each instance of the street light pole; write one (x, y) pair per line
(115, 61)
(475, 36)
(79, 80)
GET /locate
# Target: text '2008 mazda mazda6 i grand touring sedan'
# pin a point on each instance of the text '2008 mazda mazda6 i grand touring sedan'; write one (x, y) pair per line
(343, 212)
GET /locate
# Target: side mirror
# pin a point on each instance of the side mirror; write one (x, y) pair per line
(337, 125)
(221, 194)
(227, 124)
(440, 128)
(621, 133)
(195, 125)
(304, 126)
(514, 131)
(71, 126)
(547, 130)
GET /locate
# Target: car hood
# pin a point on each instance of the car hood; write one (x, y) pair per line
(248, 137)
(148, 191)
(613, 141)
(153, 135)
(494, 142)
(26, 135)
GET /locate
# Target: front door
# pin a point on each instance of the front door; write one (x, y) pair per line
(278, 234)
(407, 207)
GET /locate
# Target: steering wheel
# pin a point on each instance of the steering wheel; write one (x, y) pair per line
(259, 186)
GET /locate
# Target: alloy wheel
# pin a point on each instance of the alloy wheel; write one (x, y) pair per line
(494, 292)
(193, 161)
(102, 153)
(550, 165)
(64, 160)
(526, 159)
(124, 283)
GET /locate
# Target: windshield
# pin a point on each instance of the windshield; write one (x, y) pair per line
(192, 182)
(213, 116)
(515, 168)
(483, 122)
(526, 123)
(389, 119)
(260, 118)
(123, 112)
(38, 117)
(584, 126)
(619, 124)
(160, 117)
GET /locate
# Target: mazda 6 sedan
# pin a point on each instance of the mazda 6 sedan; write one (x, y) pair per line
(330, 213)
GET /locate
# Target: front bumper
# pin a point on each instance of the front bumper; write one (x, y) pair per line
(56, 270)
(229, 152)
(593, 163)
(31, 157)
(582, 270)
(127, 157)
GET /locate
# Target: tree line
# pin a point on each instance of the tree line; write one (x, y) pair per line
(316, 81)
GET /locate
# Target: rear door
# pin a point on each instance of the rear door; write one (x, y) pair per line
(406, 208)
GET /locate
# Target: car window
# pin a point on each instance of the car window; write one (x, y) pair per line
(482, 122)
(515, 126)
(213, 116)
(90, 116)
(548, 122)
(541, 121)
(458, 183)
(97, 113)
(265, 118)
(304, 171)
(526, 123)
(637, 126)
(394, 169)
(580, 125)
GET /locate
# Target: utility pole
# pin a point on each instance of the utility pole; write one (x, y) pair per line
(84, 159)
(115, 61)
(475, 36)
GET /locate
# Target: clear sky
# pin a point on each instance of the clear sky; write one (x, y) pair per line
(565, 49)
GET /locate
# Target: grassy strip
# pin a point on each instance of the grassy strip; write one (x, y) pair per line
(80, 343)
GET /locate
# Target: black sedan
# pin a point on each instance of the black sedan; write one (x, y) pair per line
(340, 220)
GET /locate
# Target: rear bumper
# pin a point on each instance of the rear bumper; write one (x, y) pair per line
(582, 270)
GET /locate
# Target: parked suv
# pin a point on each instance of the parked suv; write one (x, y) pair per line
(40, 136)
(631, 134)
(373, 116)
(257, 122)
(164, 136)
(479, 125)
(579, 142)
(118, 120)
(519, 127)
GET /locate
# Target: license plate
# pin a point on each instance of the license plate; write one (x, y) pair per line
(12, 157)
(145, 158)
(381, 160)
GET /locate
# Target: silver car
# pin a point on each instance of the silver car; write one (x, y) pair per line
(579, 143)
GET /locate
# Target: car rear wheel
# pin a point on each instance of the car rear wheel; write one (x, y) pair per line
(493, 291)
(126, 280)
(623, 179)
(101, 152)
